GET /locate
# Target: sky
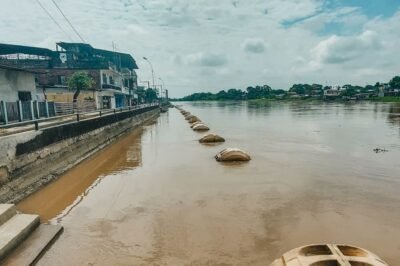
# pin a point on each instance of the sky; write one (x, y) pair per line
(210, 45)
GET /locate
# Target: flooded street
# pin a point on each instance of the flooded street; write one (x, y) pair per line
(158, 197)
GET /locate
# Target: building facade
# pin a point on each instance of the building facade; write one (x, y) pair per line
(113, 73)
(17, 84)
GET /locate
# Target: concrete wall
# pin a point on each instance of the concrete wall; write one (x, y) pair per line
(12, 81)
(66, 95)
(30, 160)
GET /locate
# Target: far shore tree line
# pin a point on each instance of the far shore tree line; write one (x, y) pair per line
(347, 91)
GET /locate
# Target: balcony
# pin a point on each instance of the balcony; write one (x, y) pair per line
(110, 86)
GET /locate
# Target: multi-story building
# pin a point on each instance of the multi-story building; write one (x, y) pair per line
(115, 80)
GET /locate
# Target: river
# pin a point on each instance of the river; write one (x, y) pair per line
(158, 197)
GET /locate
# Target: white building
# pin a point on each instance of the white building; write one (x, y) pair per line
(17, 84)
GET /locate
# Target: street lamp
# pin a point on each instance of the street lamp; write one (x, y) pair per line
(163, 86)
(152, 69)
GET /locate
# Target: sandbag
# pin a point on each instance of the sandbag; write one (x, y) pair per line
(232, 155)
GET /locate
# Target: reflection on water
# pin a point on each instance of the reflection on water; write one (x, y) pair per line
(60, 197)
(164, 200)
(394, 114)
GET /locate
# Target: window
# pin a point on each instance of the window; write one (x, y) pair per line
(62, 80)
(111, 80)
(24, 96)
(104, 78)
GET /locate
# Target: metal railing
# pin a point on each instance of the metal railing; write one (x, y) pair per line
(15, 112)
(65, 108)
(52, 120)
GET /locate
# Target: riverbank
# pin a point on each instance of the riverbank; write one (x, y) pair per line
(36, 158)
(386, 99)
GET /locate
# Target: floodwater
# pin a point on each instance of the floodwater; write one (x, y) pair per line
(158, 197)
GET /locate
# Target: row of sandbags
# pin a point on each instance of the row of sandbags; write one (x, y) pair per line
(195, 123)
(226, 155)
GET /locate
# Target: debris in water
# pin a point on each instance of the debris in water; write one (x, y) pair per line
(379, 150)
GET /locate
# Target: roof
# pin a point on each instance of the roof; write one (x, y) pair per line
(120, 59)
(126, 60)
(20, 49)
(14, 68)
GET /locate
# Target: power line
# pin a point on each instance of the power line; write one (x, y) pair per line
(69, 22)
(54, 20)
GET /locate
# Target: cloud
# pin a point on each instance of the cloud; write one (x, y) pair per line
(295, 40)
(207, 59)
(337, 50)
(256, 46)
(347, 17)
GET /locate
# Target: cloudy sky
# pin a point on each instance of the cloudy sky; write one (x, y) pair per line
(208, 45)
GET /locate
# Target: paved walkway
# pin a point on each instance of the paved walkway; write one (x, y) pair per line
(53, 121)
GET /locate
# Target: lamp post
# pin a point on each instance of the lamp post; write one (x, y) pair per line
(163, 86)
(152, 69)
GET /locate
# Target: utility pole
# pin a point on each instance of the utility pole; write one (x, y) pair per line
(163, 86)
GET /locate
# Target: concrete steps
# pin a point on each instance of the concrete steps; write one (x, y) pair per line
(16, 227)
(6, 212)
(15, 230)
(34, 247)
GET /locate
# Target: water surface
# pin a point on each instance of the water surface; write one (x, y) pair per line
(157, 196)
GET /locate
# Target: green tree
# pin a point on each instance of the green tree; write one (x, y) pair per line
(301, 89)
(80, 81)
(395, 83)
(222, 95)
(235, 94)
(349, 92)
(258, 92)
(278, 92)
(150, 95)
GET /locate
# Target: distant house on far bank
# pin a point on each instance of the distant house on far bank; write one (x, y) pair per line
(332, 93)
(386, 90)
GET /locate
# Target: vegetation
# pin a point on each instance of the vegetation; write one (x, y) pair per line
(390, 90)
(80, 81)
(257, 92)
(150, 95)
(146, 95)
(387, 99)
(395, 82)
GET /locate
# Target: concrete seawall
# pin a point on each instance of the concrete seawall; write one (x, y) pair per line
(32, 159)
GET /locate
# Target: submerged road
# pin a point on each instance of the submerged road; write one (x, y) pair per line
(157, 197)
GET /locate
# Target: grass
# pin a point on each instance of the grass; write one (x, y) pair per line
(386, 99)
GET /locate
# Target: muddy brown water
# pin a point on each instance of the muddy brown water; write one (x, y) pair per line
(157, 196)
